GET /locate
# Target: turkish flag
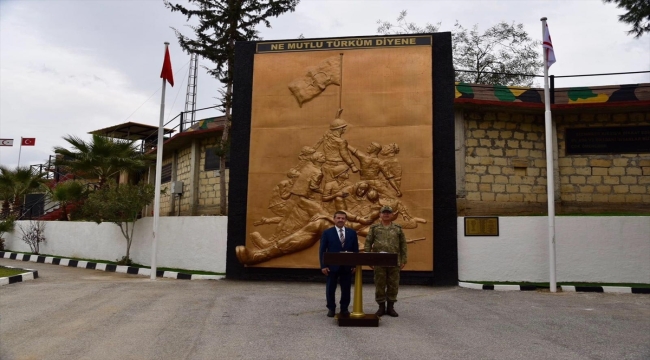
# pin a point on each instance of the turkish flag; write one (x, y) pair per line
(28, 142)
(167, 72)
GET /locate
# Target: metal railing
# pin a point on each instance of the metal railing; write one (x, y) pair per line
(184, 122)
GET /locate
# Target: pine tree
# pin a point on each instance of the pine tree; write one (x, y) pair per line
(637, 15)
(221, 24)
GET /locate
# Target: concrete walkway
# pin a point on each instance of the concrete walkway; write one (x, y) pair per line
(71, 313)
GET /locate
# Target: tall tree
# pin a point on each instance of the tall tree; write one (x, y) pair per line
(496, 57)
(637, 15)
(221, 23)
(120, 205)
(101, 158)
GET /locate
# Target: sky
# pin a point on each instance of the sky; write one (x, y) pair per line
(71, 67)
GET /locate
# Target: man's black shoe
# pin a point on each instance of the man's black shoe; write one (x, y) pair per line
(330, 313)
(344, 314)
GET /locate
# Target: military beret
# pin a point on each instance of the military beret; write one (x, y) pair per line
(386, 208)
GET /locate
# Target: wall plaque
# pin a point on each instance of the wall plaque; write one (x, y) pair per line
(481, 226)
(608, 140)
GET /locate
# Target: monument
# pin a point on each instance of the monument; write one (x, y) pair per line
(353, 124)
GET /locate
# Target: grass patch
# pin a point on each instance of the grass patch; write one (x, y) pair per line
(546, 285)
(186, 271)
(6, 272)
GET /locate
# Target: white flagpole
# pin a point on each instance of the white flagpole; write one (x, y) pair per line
(550, 183)
(20, 150)
(159, 155)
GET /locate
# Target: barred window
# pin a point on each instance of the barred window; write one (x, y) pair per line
(166, 173)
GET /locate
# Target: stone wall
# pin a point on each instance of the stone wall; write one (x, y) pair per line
(206, 202)
(505, 159)
(504, 167)
(209, 187)
(614, 178)
(165, 200)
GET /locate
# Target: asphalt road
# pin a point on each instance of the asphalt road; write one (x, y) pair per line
(71, 313)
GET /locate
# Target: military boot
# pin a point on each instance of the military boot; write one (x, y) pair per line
(391, 310)
(382, 310)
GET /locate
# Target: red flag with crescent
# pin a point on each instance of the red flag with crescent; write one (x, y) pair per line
(28, 142)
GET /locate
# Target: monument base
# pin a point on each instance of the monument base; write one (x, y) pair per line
(369, 320)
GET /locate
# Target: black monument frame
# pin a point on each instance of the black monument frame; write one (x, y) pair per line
(445, 251)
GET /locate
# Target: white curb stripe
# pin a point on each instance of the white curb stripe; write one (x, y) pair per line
(617, 289)
(98, 266)
(470, 285)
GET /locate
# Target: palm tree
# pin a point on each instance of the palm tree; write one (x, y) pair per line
(65, 193)
(17, 183)
(101, 158)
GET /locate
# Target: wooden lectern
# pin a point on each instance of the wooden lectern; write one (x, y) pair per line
(357, 317)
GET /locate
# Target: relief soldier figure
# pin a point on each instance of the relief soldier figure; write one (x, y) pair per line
(390, 152)
(373, 168)
(335, 149)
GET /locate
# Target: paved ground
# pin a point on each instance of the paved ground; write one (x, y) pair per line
(71, 313)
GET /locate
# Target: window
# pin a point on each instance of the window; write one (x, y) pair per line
(166, 173)
(212, 160)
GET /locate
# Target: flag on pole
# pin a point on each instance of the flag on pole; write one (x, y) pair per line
(6, 142)
(167, 72)
(28, 142)
(548, 47)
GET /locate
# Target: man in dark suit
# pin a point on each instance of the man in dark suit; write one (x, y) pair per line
(338, 239)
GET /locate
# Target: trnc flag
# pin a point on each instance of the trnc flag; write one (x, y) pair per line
(28, 142)
(548, 47)
(167, 72)
(316, 79)
(6, 142)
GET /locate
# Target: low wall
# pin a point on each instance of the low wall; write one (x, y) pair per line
(185, 242)
(588, 249)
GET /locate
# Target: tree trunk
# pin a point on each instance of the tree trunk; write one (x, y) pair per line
(223, 192)
(64, 211)
(128, 241)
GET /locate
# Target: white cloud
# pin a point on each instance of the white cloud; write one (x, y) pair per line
(49, 91)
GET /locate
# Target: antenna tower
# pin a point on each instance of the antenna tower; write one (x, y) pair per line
(190, 98)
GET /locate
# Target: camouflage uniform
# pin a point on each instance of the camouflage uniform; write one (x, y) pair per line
(388, 239)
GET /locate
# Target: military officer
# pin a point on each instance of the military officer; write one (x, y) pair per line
(387, 237)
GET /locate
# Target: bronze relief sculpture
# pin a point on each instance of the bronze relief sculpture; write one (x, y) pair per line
(331, 175)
